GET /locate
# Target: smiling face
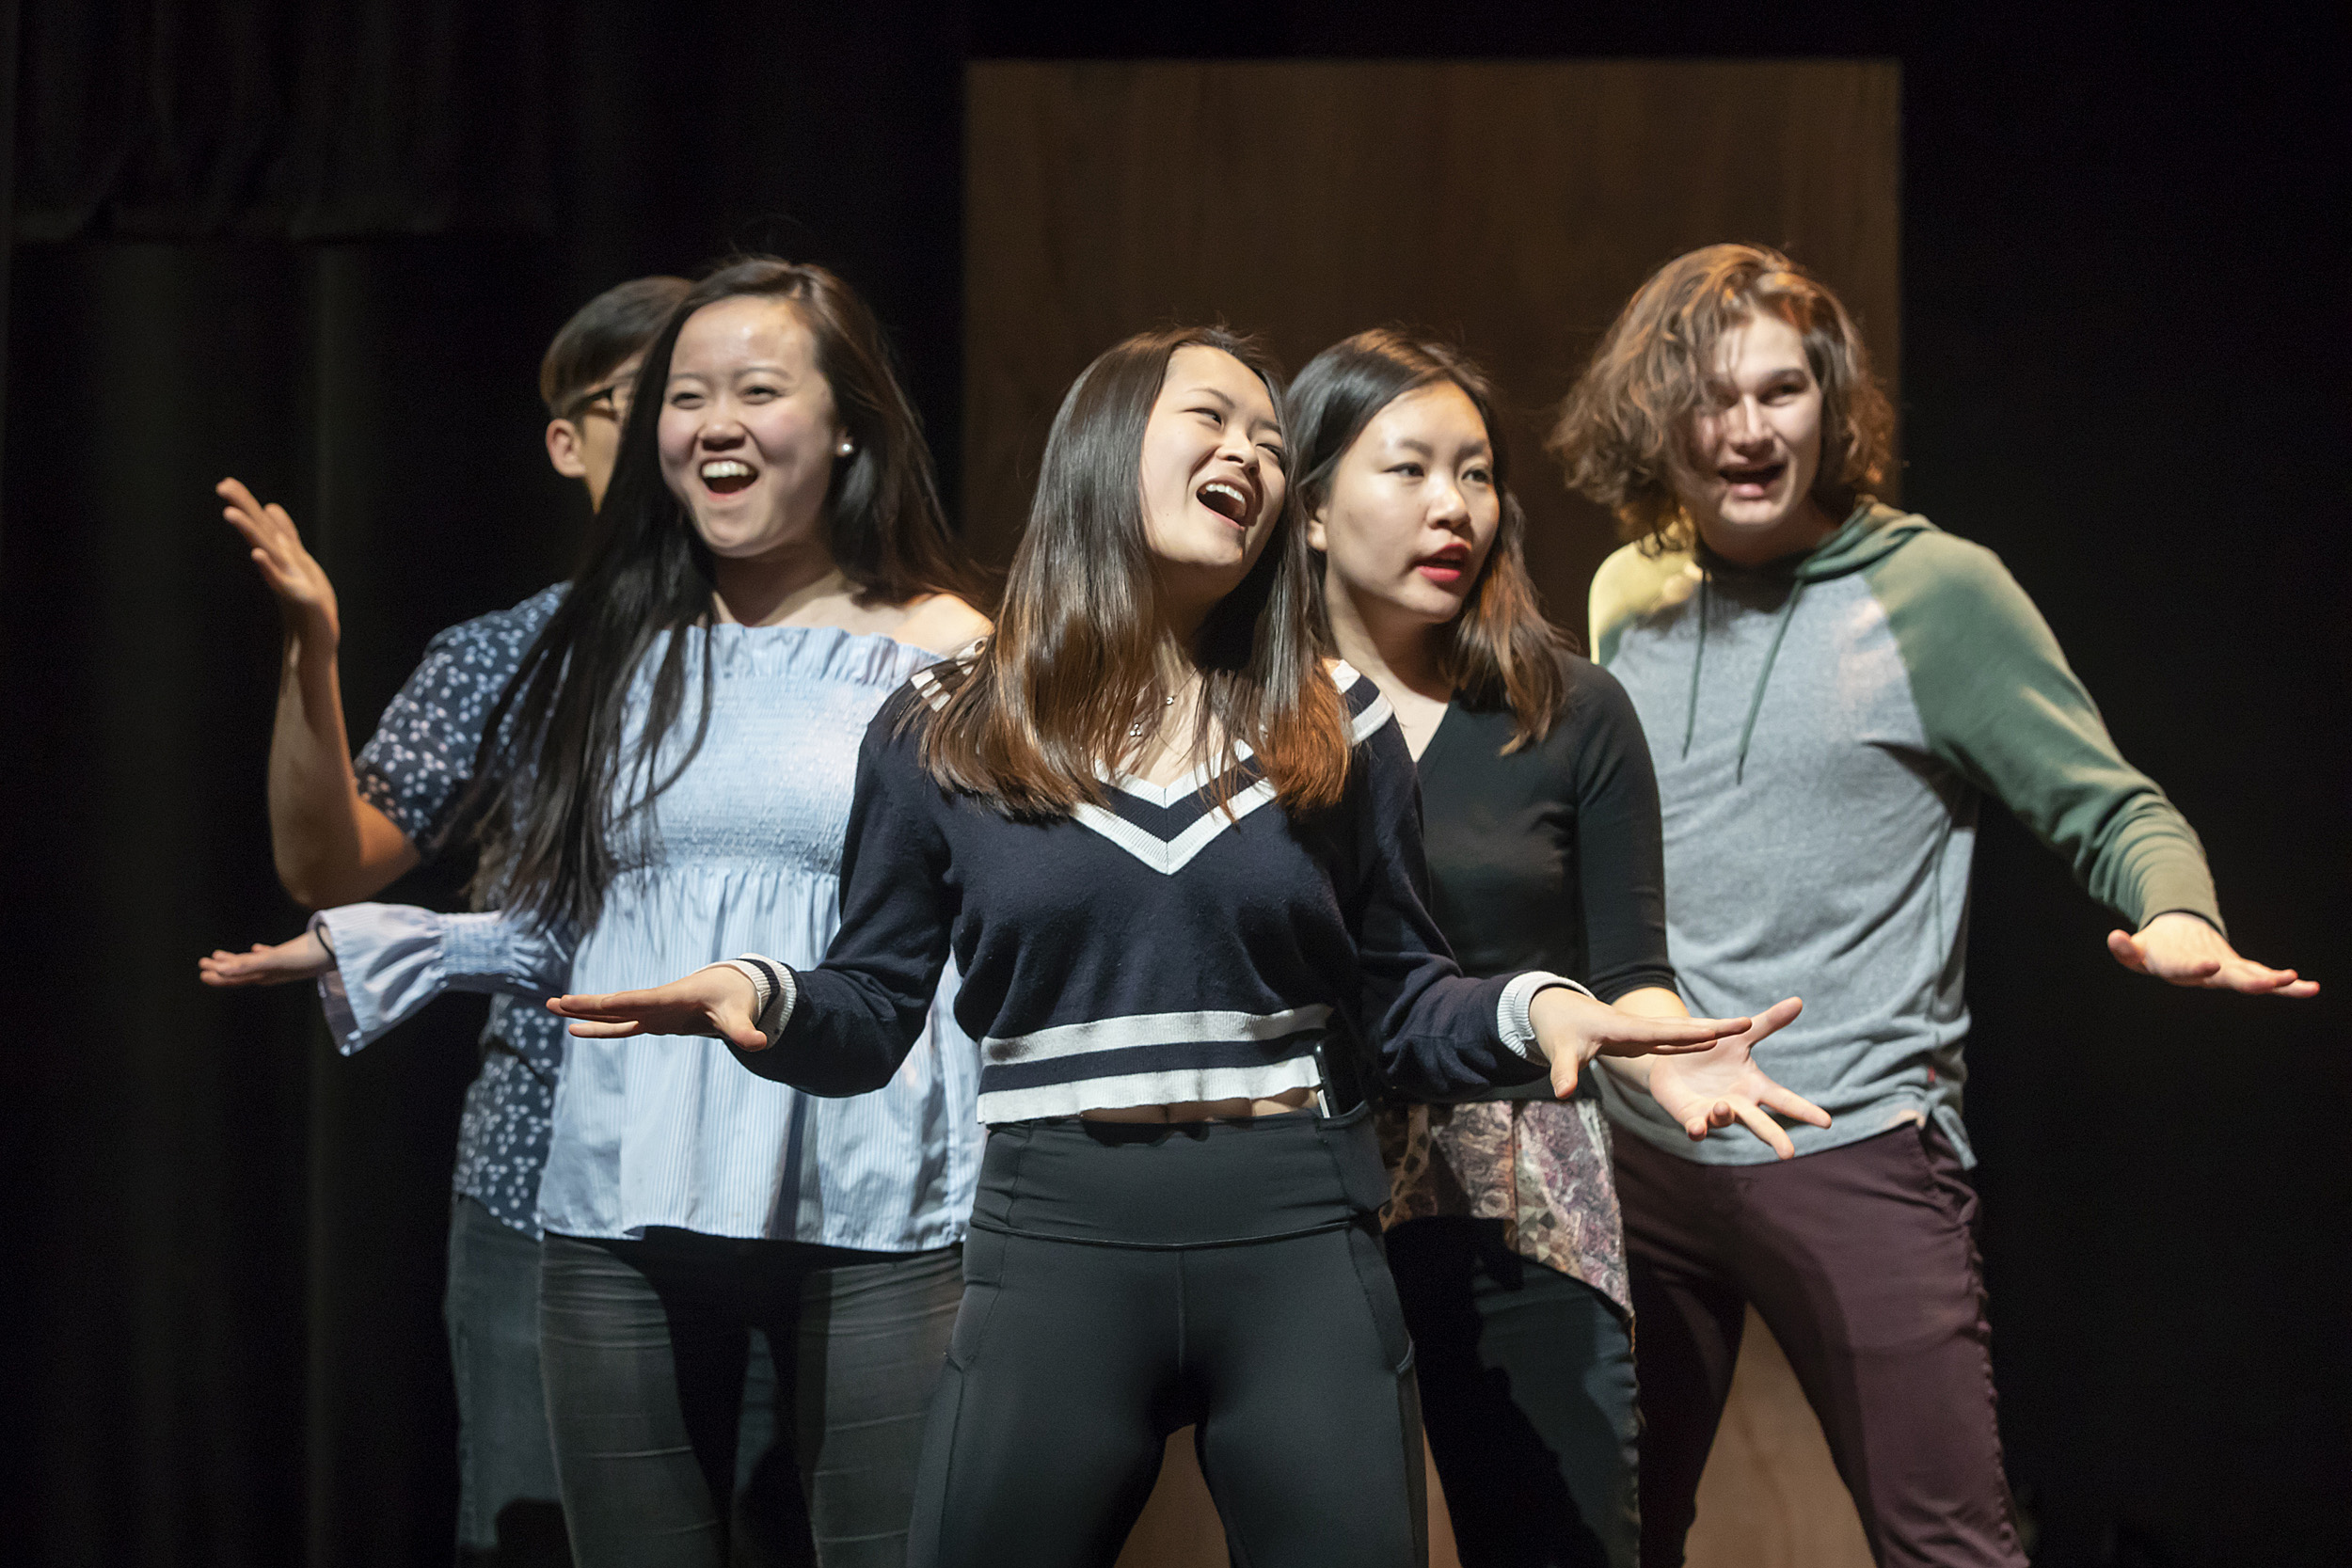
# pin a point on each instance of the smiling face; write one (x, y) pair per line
(1212, 477)
(1755, 448)
(748, 435)
(1412, 513)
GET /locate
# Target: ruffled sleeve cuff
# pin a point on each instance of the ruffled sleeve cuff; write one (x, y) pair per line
(390, 959)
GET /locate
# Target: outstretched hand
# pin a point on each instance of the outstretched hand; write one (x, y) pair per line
(2182, 949)
(300, 583)
(1572, 1029)
(304, 958)
(713, 1000)
(1722, 1085)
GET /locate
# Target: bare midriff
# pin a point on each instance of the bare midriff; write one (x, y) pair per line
(1206, 1110)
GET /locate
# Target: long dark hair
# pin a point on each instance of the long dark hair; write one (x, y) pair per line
(1074, 661)
(553, 783)
(1499, 648)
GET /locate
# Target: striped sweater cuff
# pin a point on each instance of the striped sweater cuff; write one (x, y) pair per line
(1511, 1021)
(774, 984)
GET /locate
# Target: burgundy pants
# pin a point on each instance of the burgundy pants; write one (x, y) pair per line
(1862, 1262)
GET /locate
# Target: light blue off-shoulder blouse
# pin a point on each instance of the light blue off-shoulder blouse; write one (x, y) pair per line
(742, 854)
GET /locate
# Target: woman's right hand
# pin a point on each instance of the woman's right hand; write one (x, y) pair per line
(300, 583)
(306, 957)
(715, 1000)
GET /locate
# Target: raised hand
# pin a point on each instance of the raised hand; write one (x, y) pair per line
(717, 1000)
(1572, 1029)
(2182, 949)
(306, 957)
(300, 583)
(1714, 1088)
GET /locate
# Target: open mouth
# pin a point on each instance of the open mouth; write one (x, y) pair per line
(1229, 499)
(1446, 566)
(725, 476)
(1752, 480)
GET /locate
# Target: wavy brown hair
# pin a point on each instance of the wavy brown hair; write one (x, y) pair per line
(559, 776)
(1048, 700)
(1499, 649)
(1624, 433)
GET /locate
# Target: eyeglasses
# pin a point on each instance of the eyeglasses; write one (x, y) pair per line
(610, 400)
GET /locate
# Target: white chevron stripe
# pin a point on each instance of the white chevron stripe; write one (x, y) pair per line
(1170, 856)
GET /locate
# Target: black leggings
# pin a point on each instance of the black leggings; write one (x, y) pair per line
(1527, 1379)
(1123, 1281)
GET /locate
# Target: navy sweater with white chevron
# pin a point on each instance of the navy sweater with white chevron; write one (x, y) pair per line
(1151, 950)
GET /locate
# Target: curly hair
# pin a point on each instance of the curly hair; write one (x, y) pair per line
(1622, 431)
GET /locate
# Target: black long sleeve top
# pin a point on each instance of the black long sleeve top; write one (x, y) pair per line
(1150, 950)
(1549, 858)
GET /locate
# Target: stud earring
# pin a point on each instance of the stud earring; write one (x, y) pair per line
(846, 449)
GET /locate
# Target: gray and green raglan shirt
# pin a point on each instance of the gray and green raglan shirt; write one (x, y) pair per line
(1823, 729)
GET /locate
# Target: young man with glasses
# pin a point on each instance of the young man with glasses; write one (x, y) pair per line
(343, 829)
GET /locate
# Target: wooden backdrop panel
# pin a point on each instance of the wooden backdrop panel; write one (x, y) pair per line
(1512, 207)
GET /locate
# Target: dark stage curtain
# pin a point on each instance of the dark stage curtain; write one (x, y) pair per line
(151, 120)
(320, 247)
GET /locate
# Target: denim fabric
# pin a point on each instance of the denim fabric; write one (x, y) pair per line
(507, 1507)
(1527, 1391)
(645, 1345)
(741, 852)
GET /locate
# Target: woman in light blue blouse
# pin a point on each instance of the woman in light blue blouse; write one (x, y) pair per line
(672, 771)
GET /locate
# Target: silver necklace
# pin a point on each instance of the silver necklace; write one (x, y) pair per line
(1135, 731)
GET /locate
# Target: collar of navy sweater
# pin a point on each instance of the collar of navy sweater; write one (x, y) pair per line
(1165, 826)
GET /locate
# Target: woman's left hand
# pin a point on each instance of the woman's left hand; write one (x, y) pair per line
(1572, 1029)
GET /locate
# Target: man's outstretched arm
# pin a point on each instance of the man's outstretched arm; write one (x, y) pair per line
(331, 845)
(2000, 703)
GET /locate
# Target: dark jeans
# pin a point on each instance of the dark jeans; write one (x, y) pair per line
(643, 1346)
(507, 1507)
(1528, 1394)
(1863, 1262)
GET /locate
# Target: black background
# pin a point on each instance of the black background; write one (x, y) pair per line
(320, 247)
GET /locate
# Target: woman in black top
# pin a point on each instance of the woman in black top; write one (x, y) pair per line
(1177, 860)
(1543, 846)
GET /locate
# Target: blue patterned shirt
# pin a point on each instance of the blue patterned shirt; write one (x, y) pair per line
(414, 769)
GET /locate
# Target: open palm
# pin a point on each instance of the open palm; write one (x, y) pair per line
(1712, 1089)
(715, 1000)
(290, 570)
(304, 958)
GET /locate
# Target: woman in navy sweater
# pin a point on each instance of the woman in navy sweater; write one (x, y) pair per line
(1543, 848)
(1177, 857)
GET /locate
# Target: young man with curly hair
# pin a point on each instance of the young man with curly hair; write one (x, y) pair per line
(1830, 688)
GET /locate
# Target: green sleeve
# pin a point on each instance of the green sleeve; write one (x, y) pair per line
(2000, 704)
